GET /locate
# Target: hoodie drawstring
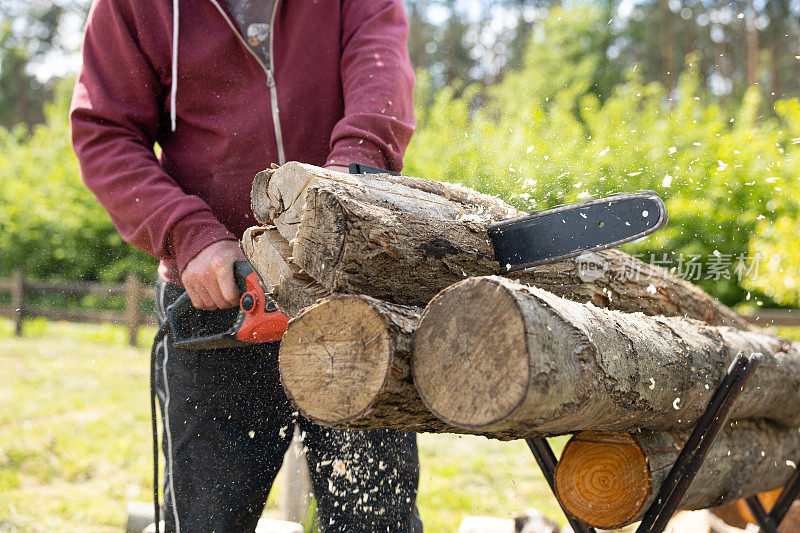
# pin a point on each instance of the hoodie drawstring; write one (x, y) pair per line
(173, 90)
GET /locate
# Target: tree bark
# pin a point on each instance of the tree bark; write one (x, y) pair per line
(345, 362)
(494, 356)
(291, 289)
(399, 247)
(608, 480)
(404, 239)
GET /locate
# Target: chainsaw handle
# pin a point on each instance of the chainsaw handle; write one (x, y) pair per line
(360, 168)
(257, 322)
(241, 269)
(183, 305)
(181, 309)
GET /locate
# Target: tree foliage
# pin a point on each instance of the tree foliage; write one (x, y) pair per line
(737, 44)
(31, 34)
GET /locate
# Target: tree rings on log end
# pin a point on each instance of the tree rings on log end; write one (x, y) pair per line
(335, 359)
(603, 479)
(471, 362)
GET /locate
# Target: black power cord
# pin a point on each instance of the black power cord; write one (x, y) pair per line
(160, 334)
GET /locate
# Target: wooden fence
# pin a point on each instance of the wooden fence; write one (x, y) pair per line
(134, 291)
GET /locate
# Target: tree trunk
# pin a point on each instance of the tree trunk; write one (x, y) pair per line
(345, 363)
(495, 356)
(291, 289)
(404, 239)
(394, 247)
(722, 62)
(667, 49)
(23, 93)
(752, 46)
(776, 31)
(608, 480)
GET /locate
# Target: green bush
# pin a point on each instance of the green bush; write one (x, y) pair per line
(51, 225)
(726, 176)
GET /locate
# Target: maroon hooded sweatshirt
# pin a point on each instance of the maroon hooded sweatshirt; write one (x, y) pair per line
(338, 89)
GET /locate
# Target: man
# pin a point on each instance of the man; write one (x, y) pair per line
(225, 88)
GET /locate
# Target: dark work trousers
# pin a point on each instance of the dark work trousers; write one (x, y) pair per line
(228, 423)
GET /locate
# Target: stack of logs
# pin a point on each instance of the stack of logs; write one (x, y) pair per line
(621, 354)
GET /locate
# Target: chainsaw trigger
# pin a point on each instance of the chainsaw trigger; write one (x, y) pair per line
(262, 320)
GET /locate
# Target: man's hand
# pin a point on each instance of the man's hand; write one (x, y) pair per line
(208, 278)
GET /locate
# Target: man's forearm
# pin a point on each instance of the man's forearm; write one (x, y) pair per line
(114, 123)
(378, 84)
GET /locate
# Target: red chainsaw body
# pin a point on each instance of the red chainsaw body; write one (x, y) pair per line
(259, 324)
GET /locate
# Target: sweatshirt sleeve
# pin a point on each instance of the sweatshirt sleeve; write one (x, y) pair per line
(114, 119)
(378, 84)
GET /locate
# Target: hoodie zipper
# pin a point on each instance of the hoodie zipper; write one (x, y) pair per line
(273, 90)
(268, 70)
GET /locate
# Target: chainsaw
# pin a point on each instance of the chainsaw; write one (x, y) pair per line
(519, 243)
(256, 319)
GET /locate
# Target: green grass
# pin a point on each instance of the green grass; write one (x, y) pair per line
(466, 475)
(73, 428)
(75, 440)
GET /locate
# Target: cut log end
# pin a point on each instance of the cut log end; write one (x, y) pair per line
(335, 362)
(603, 478)
(607, 480)
(485, 373)
(738, 513)
(291, 289)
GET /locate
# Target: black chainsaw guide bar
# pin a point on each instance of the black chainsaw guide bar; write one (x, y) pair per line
(570, 230)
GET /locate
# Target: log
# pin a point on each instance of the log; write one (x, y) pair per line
(738, 514)
(493, 355)
(404, 239)
(345, 362)
(616, 280)
(279, 201)
(608, 480)
(389, 241)
(291, 289)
